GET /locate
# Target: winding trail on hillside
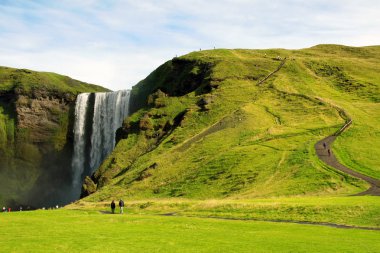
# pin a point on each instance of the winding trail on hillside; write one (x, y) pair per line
(323, 147)
(324, 152)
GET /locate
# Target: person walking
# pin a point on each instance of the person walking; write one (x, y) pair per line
(329, 152)
(121, 205)
(324, 145)
(113, 206)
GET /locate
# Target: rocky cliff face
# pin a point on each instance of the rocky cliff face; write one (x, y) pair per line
(36, 138)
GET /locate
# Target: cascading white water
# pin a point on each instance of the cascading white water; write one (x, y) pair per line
(78, 161)
(110, 109)
(94, 135)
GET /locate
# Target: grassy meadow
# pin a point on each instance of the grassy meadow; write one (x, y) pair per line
(92, 231)
(362, 211)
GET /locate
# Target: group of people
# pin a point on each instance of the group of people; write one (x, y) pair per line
(121, 205)
(28, 208)
(328, 150)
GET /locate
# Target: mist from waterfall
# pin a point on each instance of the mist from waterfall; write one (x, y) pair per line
(97, 117)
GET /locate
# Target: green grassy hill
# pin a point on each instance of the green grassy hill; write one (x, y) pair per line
(206, 128)
(25, 81)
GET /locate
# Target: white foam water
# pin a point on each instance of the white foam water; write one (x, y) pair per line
(94, 135)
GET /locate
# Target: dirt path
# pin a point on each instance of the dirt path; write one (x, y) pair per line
(273, 72)
(326, 224)
(330, 159)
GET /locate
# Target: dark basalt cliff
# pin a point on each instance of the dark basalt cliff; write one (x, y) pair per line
(36, 118)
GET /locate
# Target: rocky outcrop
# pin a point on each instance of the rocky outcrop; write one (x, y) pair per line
(36, 118)
(33, 151)
(43, 117)
(176, 77)
(88, 187)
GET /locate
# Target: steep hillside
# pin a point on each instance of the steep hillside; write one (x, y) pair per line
(36, 114)
(217, 124)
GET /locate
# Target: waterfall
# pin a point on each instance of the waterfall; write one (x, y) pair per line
(110, 109)
(97, 117)
(78, 161)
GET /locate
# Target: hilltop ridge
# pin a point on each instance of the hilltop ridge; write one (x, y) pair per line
(204, 128)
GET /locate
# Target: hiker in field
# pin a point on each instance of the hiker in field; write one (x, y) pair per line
(121, 205)
(4, 209)
(113, 206)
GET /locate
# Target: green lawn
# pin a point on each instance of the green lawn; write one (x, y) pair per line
(83, 231)
(361, 211)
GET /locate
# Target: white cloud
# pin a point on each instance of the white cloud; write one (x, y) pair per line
(117, 43)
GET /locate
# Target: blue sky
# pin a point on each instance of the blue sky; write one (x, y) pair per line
(117, 43)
